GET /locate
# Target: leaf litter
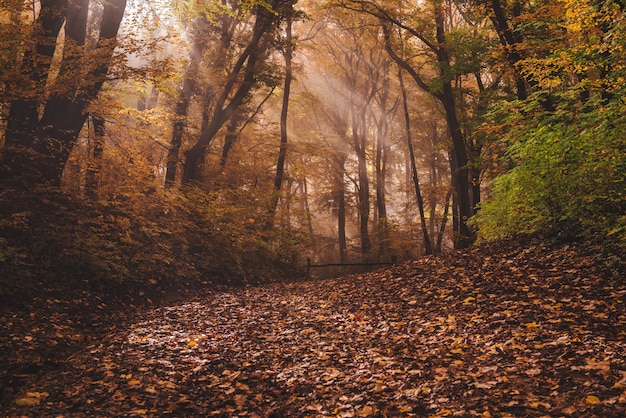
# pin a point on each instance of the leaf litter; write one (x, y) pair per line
(492, 331)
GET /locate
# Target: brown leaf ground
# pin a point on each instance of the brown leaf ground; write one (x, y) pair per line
(499, 330)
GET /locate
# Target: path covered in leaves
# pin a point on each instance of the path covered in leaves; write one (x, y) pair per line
(490, 332)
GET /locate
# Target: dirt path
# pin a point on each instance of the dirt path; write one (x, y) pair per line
(507, 332)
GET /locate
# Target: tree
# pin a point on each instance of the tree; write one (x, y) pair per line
(566, 162)
(414, 176)
(242, 78)
(288, 48)
(432, 35)
(187, 90)
(36, 148)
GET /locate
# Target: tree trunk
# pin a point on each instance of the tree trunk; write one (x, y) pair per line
(360, 147)
(282, 153)
(64, 113)
(94, 162)
(184, 101)
(23, 112)
(307, 210)
(416, 183)
(433, 181)
(341, 207)
(444, 220)
(448, 101)
(232, 134)
(381, 171)
(509, 38)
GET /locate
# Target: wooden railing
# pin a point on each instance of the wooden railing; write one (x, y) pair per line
(310, 266)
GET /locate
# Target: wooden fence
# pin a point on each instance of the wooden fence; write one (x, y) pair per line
(310, 266)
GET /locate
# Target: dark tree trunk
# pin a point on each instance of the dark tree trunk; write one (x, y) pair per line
(358, 138)
(23, 112)
(381, 171)
(433, 181)
(64, 112)
(232, 133)
(184, 101)
(509, 38)
(416, 183)
(282, 153)
(461, 173)
(341, 207)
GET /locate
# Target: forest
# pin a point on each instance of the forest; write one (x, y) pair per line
(176, 176)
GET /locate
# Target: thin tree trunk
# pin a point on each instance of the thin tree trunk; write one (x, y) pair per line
(444, 220)
(341, 208)
(282, 153)
(94, 161)
(409, 139)
(381, 169)
(358, 139)
(433, 180)
(307, 210)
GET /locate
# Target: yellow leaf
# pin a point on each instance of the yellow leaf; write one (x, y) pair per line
(134, 382)
(192, 344)
(37, 394)
(27, 401)
(594, 400)
(531, 325)
(366, 411)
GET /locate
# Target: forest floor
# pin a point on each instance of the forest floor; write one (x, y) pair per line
(497, 330)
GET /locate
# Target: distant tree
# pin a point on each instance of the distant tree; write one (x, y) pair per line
(436, 63)
(242, 77)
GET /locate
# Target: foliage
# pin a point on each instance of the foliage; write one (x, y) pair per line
(565, 142)
(570, 177)
(134, 242)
